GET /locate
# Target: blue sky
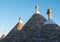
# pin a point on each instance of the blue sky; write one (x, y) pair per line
(11, 10)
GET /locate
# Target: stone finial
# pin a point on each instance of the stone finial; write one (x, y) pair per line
(49, 12)
(4, 35)
(49, 21)
(37, 9)
(20, 19)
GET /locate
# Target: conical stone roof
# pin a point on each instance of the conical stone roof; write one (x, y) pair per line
(48, 33)
(13, 33)
(30, 28)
